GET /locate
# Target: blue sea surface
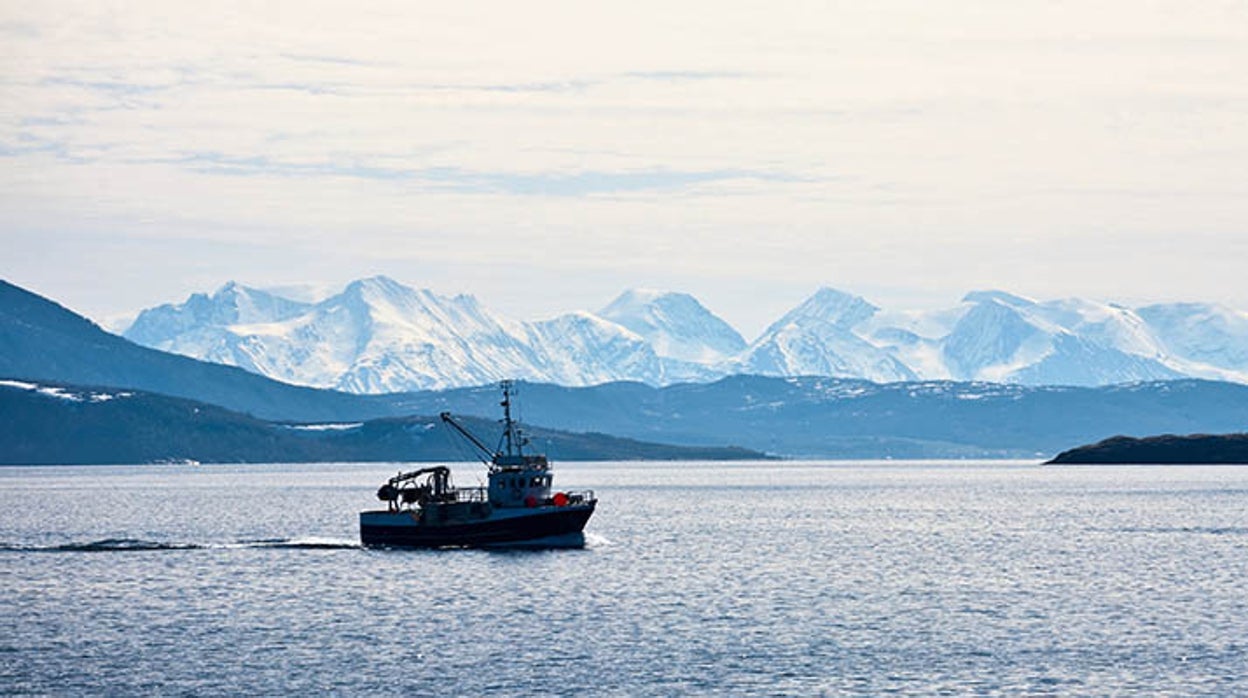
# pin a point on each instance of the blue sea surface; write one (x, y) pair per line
(728, 579)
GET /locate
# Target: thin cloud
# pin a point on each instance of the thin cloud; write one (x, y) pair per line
(24, 30)
(551, 86)
(686, 75)
(592, 182)
(328, 59)
(110, 87)
(558, 184)
(311, 88)
(21, 148)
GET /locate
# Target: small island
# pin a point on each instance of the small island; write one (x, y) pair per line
(1167, 449)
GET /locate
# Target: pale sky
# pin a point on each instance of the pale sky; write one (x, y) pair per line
(545, 156)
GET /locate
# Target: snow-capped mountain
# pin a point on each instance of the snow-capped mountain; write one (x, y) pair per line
(378, 335)
(584, 349)
(232, 304)
(199, 327)
(382, 336)
(816, 339)
(1201, 339)
(1005, 338)
(676, 325)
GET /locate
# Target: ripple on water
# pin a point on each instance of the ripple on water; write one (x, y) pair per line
(768, 579)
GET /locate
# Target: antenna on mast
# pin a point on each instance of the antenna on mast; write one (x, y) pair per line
(514, 442)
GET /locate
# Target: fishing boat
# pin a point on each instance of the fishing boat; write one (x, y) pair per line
(517, 507)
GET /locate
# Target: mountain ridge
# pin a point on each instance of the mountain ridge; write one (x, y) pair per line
(60, 424)
(378, 335)
(821, 417)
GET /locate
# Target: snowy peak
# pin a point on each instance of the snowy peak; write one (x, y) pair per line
(675, 324)
(234, 303)
(1002, 297)
(638, 298)
(828, 306)
(581, 348)
(988, 338)
(381, 290)
(398, 338)
(231, 304)
(1005, 338)
(1205, 339)
(378, 335)
(1103, 323)
(381, 296)
(817, 339)
(391, 306)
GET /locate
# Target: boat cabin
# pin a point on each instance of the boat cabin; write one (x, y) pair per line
(519, 481)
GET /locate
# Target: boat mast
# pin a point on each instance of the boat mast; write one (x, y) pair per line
(510, 434)
(511, 445)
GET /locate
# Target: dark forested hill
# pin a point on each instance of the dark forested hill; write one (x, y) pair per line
(43, 423)
(1165, 449)
(841, 418)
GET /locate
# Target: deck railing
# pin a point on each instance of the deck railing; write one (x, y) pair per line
(482, 494)
(471, 494)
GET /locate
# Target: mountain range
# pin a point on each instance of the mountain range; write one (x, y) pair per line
(379, 336)
(47, 351)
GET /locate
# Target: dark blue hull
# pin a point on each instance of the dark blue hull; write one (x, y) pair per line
(396, 530)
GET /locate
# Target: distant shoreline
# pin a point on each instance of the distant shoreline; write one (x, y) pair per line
(1166, 449)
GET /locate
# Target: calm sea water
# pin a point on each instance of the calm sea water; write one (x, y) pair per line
(738, 579)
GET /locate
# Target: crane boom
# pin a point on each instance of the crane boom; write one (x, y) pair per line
(488, 454)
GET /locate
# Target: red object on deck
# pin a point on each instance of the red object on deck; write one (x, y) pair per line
(560, 499)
